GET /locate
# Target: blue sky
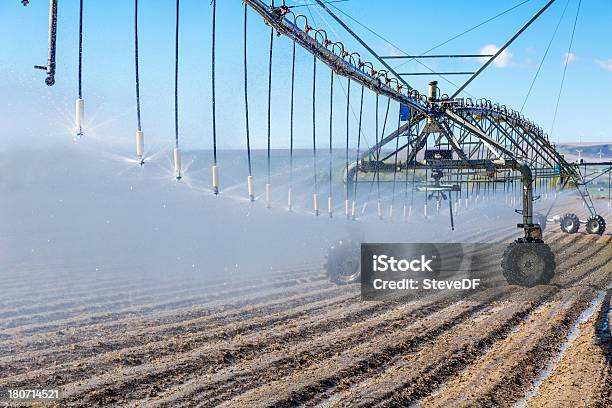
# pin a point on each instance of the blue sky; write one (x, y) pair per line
(34, 114)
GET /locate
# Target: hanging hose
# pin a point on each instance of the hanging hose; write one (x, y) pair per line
(365, 204)
(80, 48)
(289, 193)
(250, 186)
(382, 136)
(331, 117)
(346, 153)
(353, 215)
(406, 177)
(139, 134)
(416, 133)
(80, 104)
(399, 116)
(268, 185)
(215, 170)
(567, 56)
(407, 157)
(51, 53)
(377, 171)
(177, 152)
(315, 198)
(468, 197)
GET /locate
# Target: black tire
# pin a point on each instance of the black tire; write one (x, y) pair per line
(570, 223)
(541, 220)
(343, 262)
(528, 263)
(596, 225)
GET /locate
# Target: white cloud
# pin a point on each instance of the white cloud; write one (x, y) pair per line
(392, 50)
(605, 64)
(569, 57)
(503, 60)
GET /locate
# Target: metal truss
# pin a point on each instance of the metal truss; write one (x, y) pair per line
(484, 141)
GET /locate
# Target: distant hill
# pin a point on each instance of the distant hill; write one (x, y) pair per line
(589, 151)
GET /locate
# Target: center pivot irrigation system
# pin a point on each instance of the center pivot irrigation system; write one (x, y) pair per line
(442, 144)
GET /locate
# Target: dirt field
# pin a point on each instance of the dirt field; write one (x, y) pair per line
(290, 338)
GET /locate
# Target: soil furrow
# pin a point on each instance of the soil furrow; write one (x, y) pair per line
(225, 325)
(412, 376)
(321, 374)
(117, 295)
(582, 376)
(200, 341)
(508, 369)
(78, 321)
(273, 346)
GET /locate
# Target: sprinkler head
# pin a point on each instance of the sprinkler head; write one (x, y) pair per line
(177, 163)
(25, 2)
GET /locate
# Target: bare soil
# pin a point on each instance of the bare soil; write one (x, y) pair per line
(291, 338)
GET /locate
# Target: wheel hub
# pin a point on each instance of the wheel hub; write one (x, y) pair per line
(531, 264)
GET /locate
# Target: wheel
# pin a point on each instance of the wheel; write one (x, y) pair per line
(570, 223)
(528, 263)
(343, 262)
(541, 220)
(596, 225)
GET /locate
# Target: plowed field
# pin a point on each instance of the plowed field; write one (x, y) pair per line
(290, 337)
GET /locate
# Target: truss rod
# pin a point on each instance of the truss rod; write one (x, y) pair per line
(436, 56)
(436, 73)
(333, 61)
(506, 45)
(366, 46)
